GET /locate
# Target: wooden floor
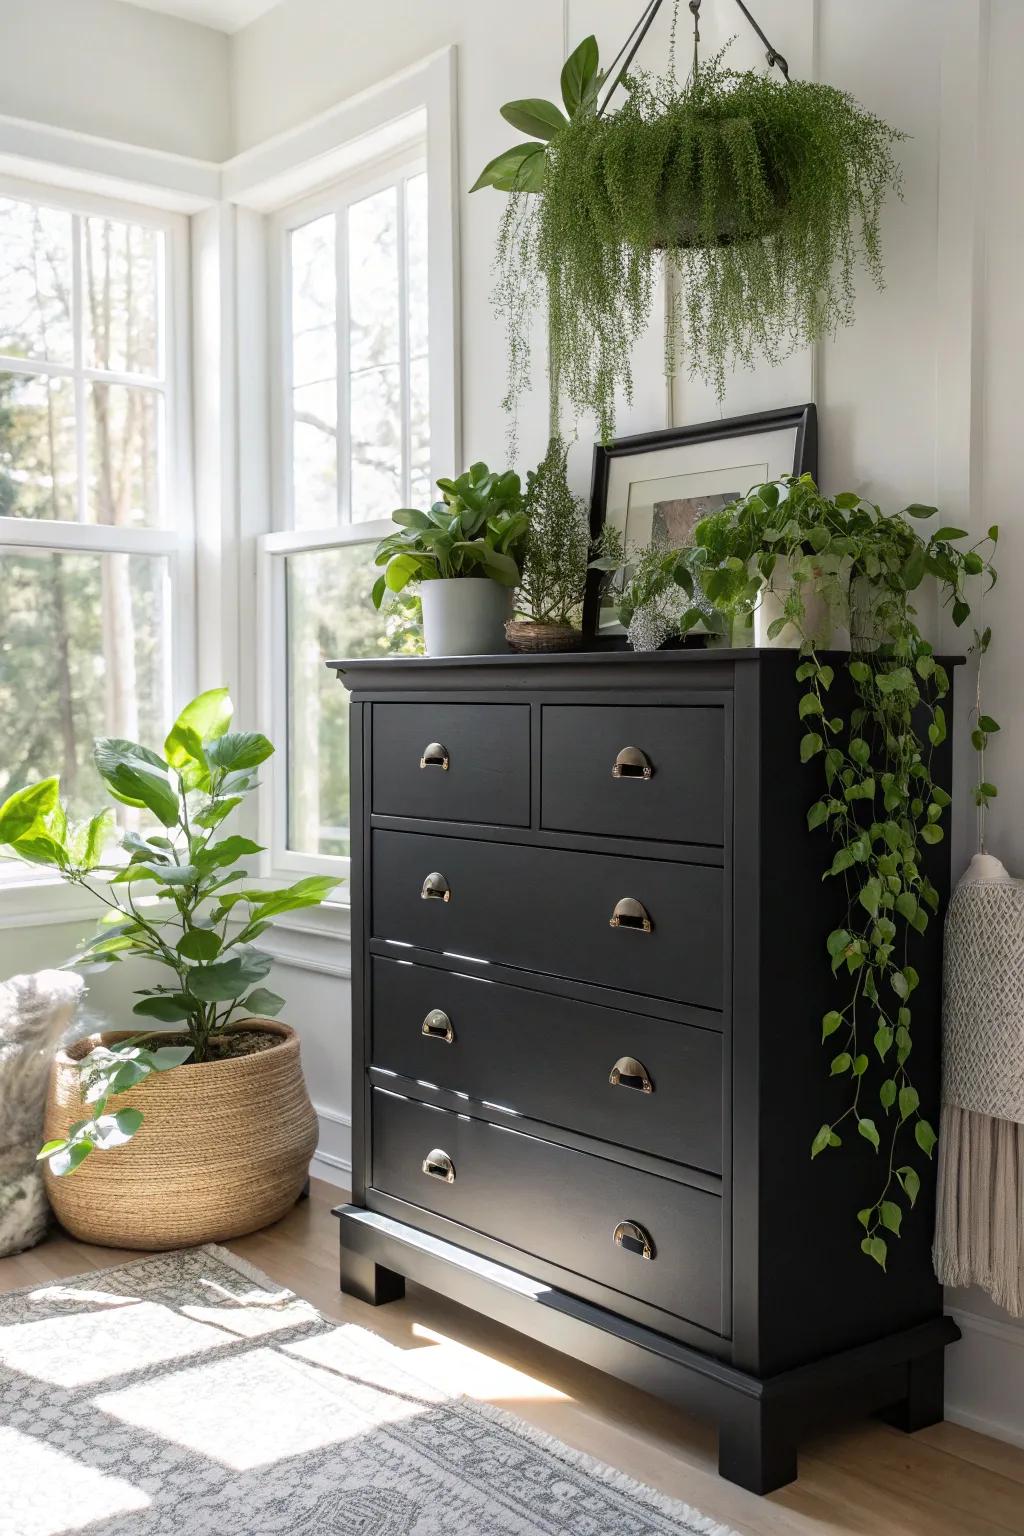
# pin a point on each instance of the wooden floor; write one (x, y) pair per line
(867, 1480)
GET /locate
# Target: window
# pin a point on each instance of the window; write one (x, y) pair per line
(95, 543)
(354, 422)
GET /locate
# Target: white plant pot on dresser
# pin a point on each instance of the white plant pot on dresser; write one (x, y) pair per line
(465, 616)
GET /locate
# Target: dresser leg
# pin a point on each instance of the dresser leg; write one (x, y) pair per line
(756, 1448)
(924, 1402)
(369, 1282)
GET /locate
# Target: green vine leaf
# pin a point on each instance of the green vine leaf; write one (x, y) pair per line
(876, 1249)
(869, 1131)
(925, 1137)
(810, 746)
(909, 1101)
(910, 1182)
(891, 1216)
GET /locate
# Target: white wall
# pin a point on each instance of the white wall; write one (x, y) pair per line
(919, 401)
(101, 67)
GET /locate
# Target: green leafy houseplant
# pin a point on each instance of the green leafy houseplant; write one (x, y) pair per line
(557, 545)
(877, 802)
(174, 899)
(761, 195)
(476, 530)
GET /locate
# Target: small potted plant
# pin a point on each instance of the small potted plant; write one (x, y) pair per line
(644, 581)
(208, 1122)
(549, 600)
(462, 553)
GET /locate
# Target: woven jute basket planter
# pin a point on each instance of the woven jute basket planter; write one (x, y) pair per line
(528, 636)
(224, 1148)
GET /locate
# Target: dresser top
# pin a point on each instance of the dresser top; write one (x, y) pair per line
(368, 670)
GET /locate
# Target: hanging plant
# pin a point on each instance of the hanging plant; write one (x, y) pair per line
(877, 803)
(762, 195)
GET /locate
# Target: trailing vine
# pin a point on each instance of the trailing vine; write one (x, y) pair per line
(761, 195)
(879, 803)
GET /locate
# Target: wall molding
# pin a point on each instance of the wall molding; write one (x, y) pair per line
(985, 1376)
(332, 1160)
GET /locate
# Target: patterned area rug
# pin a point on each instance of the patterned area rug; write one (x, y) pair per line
(187, 1393)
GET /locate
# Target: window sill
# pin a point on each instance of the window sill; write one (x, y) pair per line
(45, 902)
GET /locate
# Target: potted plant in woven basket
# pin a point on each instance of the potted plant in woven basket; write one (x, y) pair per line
(207, 1122)
(549, 599)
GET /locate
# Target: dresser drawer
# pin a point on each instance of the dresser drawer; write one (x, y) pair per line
(560, 1205)
(549, 910)
(551, 1059)
(656, 773)
(453, 762)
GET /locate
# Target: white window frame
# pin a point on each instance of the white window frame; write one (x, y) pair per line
(175, 538)
(407, 122)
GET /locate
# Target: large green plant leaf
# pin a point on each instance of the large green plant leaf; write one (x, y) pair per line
(227, 851)
(519, 169)
(136, 776)
(26, 809)
(239, 750)
(540, 119)
(228, 979)
(168, 1007)
(580, 79)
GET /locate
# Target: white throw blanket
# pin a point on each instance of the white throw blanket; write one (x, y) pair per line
(35, 1011)
(979, 1234)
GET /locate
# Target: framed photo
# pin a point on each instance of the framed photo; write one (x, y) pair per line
(656, 487)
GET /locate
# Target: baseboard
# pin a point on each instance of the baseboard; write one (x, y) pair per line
(333, 1170)
(985, 1377)
(332, 1160)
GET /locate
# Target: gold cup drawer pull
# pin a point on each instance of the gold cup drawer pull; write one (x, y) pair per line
(631, 763)
(631, 1236)
(630, 1073)
(438, 1165)
(438, 1026)
(435, 888)
(630, 913)
(435, 756)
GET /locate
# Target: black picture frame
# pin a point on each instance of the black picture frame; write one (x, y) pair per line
(803, 419)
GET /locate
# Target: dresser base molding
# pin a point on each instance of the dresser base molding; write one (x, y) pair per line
(760, 1421)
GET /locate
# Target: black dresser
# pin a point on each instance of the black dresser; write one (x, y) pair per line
(588, 927)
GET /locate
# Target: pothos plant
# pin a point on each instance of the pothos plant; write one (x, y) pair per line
(877, 803)
(177, 897)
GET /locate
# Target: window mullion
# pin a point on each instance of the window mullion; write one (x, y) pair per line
(344, 352)
(78, 358)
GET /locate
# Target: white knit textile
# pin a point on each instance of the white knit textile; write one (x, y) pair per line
(983, 1003)
(979, 1231)
(35, 1011)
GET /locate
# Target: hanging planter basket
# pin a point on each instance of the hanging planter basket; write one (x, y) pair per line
(763, 194)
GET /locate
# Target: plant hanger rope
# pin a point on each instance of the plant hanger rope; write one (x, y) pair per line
(631, 47)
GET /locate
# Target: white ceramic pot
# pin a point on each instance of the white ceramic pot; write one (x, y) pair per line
(820, 623)
(465, 616)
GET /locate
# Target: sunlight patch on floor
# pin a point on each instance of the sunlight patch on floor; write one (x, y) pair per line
(250, 1321)
(86, 1347)
(46, 1492)
(464, 1372)
(256, 1408)
(50, 1293)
